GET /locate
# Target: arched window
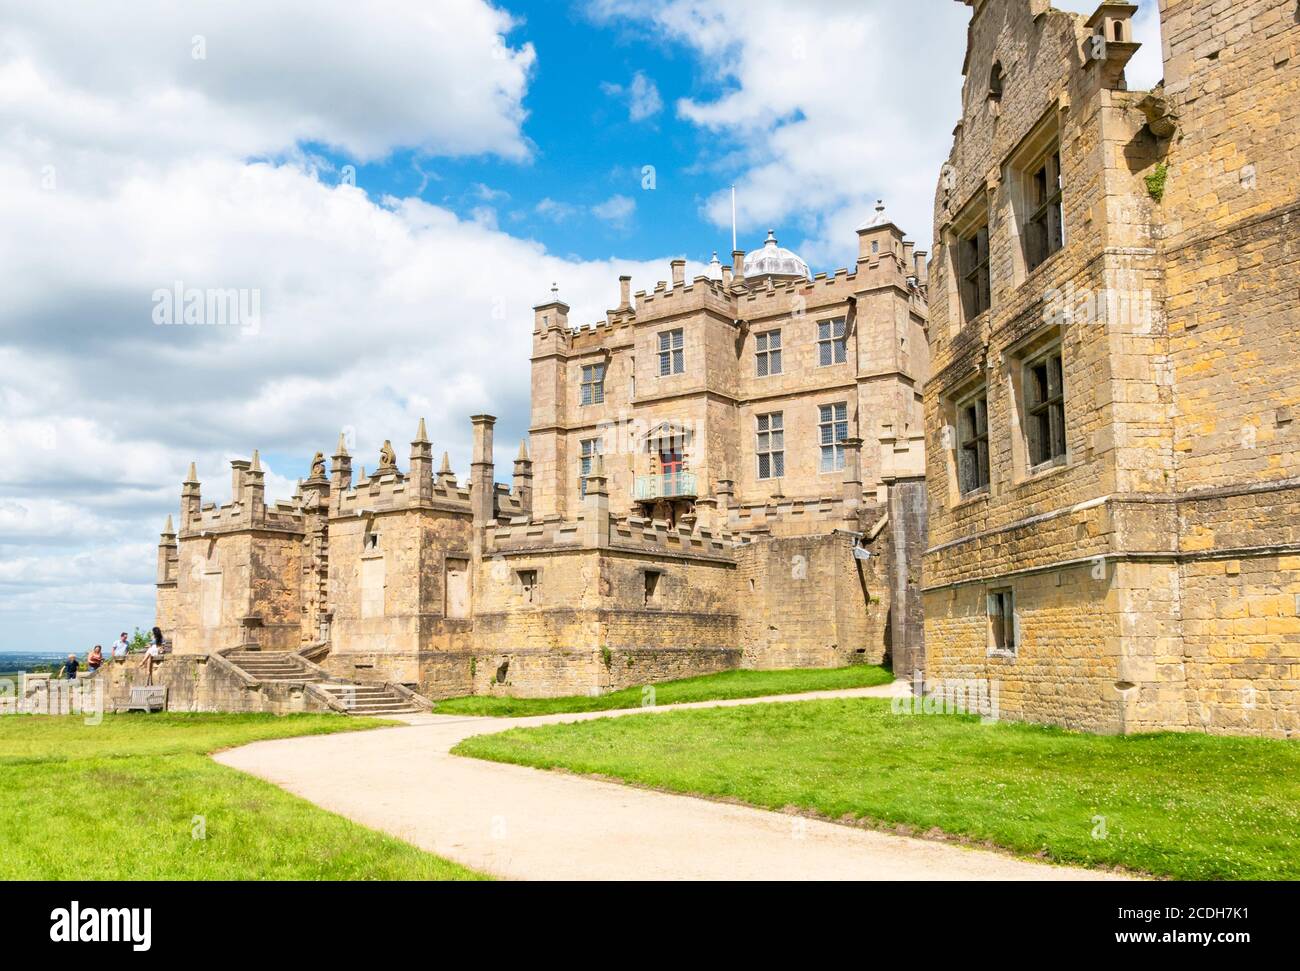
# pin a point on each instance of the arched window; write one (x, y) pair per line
(995, 82)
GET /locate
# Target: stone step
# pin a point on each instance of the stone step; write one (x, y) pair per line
(358, 689)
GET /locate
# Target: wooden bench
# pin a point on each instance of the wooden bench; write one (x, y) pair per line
(150, 698)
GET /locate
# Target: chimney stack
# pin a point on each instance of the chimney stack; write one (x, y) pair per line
(679, 273)
(738, 265)
(922, 268)
(625, 293)
(238, 473)
(482, 475)
(852, 475)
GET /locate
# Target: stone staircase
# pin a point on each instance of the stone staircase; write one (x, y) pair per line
(354, 698)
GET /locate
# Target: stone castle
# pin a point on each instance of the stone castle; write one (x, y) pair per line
(1059, 456)
(719, 475)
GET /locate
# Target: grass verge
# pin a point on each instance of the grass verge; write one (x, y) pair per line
(137, 798)
(709, 687)
(1182, 805)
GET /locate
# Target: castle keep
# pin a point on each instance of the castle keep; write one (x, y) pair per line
(723, 472)
(1114, 471)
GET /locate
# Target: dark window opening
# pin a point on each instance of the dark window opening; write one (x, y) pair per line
(995, 83)
(1045, 409)
(976, 284)
(973, 445)
(1045, 225)
(1002, 621)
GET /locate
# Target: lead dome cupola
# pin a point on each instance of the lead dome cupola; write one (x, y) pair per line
(775, 262)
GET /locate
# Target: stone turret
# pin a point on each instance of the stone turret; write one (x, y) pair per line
(191, 498)
(523, 480)
(446, 477)
(255, 490)
(880, 236)
(340, 471)
(167, 553)
(422, 464)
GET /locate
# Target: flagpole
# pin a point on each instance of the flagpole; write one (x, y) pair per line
(733, 218)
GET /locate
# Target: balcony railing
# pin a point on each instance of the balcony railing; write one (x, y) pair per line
(677, 485)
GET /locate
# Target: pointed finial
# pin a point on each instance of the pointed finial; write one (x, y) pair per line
(421, 435)
(194, 474)
(446, 465)
(523, 449)
(168, 529)
(257, 463)
(771, 237)
(343, 445)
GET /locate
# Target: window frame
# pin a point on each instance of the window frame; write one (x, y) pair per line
(591, 384)
(527, 584)
(652, 581)
(585, 457)
(672, 352)
(1042, 228)
(767, 353)
(1046, 443)
(833, 341)
(974, 269)
(973, 442)
(1003, 630)
(764, 435)
(836, 442)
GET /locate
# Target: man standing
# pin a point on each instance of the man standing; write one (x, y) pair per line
(121, 648)
(70, 667)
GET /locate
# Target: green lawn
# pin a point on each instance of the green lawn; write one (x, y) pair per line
(122, 801)
(1189, 806)
(709, 687)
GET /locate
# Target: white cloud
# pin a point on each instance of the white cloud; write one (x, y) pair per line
(825, 113)
(373, 314)
(616, 210)
(554, 210)
(244, 77)
(642, 96)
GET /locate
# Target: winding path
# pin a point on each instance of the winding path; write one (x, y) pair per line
(521, 823)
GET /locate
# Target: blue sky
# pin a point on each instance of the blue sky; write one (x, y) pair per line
(495, 148)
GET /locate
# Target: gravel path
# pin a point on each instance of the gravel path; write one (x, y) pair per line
(521, 823)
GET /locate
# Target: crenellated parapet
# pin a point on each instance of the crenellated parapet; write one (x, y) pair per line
(633, 534)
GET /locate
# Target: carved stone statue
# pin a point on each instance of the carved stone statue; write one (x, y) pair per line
(318, 466)
(387, 457)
